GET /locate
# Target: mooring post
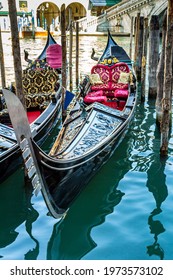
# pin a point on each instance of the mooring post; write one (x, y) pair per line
(16, 49)
(167, 88)
(139, 50)
(70, 48)
(3, 81)
(137, 24)
(63, 43)
(144, 59)
(154, 41)
(77, 54)
(131, 37)
(33, 24)
(160, 74)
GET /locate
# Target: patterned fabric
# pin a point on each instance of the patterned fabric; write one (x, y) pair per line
(100, 87)
(110, 86)
(103, 72)
(95, 79)
(38, 84)
(124, 78)
(34, 100)
(114, 86)
(116, 70)
(110, 73)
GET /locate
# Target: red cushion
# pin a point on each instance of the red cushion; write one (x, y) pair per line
(122, 103)
(95, 93)
(121, 93)
(91, 99)
(54, 56)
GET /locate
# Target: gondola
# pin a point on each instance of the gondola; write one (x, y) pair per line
(42, 56)
(92, 131)
(42, 93)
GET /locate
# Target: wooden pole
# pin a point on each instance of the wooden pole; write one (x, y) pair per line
(3, 81)
(139, 49)
(167, 88)
(64, 59)
(33, 25)
(137, 24)
(160, 74)
(70, 49)
(144, 59)
(77, 54)
(16, 49)
(131, 37)
(154, 42)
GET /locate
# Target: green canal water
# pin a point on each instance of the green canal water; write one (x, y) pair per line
(125, 212)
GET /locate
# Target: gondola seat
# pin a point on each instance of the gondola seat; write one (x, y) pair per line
(91, 98)
(38, 85)
(111, 77)
(96, 93)
(121, 93)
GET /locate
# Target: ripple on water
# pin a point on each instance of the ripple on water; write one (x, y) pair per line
(124, 213)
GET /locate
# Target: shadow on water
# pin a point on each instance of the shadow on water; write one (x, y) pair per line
(153, 164)
(71, 238)
(156, 184)
(16, 209)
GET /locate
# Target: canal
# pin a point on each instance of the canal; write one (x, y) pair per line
(125, 213)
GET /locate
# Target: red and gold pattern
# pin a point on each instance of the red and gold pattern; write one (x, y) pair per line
(110, 76)
(103, 72)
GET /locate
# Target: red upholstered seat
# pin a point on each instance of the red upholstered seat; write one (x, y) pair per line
(95, 93)
(54, 56)
(121, 93)
(91, 99)
(110, 77)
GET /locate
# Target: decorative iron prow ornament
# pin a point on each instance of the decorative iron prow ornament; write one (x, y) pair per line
(23, 134)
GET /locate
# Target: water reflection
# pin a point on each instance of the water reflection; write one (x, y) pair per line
(32, 216)
(16, 209)
(156, 184)
(72, 237)
(148, 160)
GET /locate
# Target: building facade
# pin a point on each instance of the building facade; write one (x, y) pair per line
(45, 14)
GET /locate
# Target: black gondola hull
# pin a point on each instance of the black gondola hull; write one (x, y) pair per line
(64, 182)
(11, 159)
